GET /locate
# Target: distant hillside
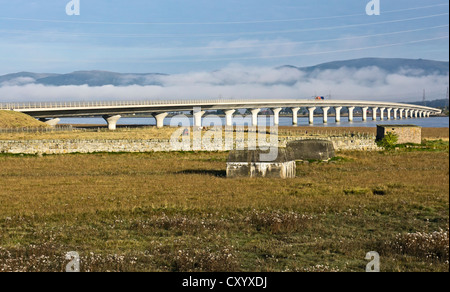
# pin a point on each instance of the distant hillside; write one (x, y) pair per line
(439, 103)
(12, 119)
(91, 78)
(407, 67)
(100, 78)
(416, 67)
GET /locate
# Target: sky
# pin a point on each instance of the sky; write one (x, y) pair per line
(192, 38)
(177, 36)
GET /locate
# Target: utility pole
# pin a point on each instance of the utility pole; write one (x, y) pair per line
(446, 99)
(424, 99)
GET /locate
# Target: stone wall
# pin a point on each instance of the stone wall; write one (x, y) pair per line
(116, 146)
(406, 133)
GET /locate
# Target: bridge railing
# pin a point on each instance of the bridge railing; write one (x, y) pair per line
(106, 104)
(85, 104)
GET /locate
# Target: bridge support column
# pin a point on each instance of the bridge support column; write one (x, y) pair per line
(389, 111)
(422, 114)
(351, 113)
(255, 113)
(160, 119)
(382, 110)
(276, 116)
(338, 113)
(364, 110)
(395, 113)
(374, 113)
(401, 111)
(51, 122)
(416, 114)
(229, 117)
(325, 114)
(311, 114)
(112, 121)
(406, 113)
(198, 118)
(295, 115)
(428, 114)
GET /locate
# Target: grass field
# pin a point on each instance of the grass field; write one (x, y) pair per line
(177, 212)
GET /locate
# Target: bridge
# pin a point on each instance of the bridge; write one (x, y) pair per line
(112, 111)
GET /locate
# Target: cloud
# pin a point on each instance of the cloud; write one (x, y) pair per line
(236, 81)
(18, 81)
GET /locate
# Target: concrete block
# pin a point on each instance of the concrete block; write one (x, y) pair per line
(311, 149)
(256, 163)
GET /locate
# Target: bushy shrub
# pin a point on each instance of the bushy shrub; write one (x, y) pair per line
(389, 141)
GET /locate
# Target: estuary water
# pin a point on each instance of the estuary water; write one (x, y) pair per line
(432, 122)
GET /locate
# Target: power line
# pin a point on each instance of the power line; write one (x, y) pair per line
(218, 23)
(257, 58)
(227, 34)
(303, 54)
(295, 43)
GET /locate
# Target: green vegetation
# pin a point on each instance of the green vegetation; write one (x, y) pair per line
(177, 212)
(12, 119)
(389, 141)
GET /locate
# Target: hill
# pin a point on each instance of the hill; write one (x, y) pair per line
(12, 119)
(408, 67)
(438, 103)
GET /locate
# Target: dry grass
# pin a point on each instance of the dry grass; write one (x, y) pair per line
(12, 119)
(176, 212)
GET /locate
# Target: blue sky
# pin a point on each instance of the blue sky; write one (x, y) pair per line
(178, 36)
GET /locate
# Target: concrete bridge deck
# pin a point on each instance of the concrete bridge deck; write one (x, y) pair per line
(112, 110)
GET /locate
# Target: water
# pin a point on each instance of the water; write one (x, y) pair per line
(433, 122)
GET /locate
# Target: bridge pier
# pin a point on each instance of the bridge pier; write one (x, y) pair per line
(364, 111)
(325, 114)
(406, 113)
(338, 113)
(351, 111)
(295, 115)
(112, 121)
(255, 113)
(401, 111)
(428, 114)
(389, 111)
(160, 119)
(276, 116)
(51, 122)
(395, 113)
(229, 117)
(382, 110)
(198, 114)
(311, 114)
(374, 113)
